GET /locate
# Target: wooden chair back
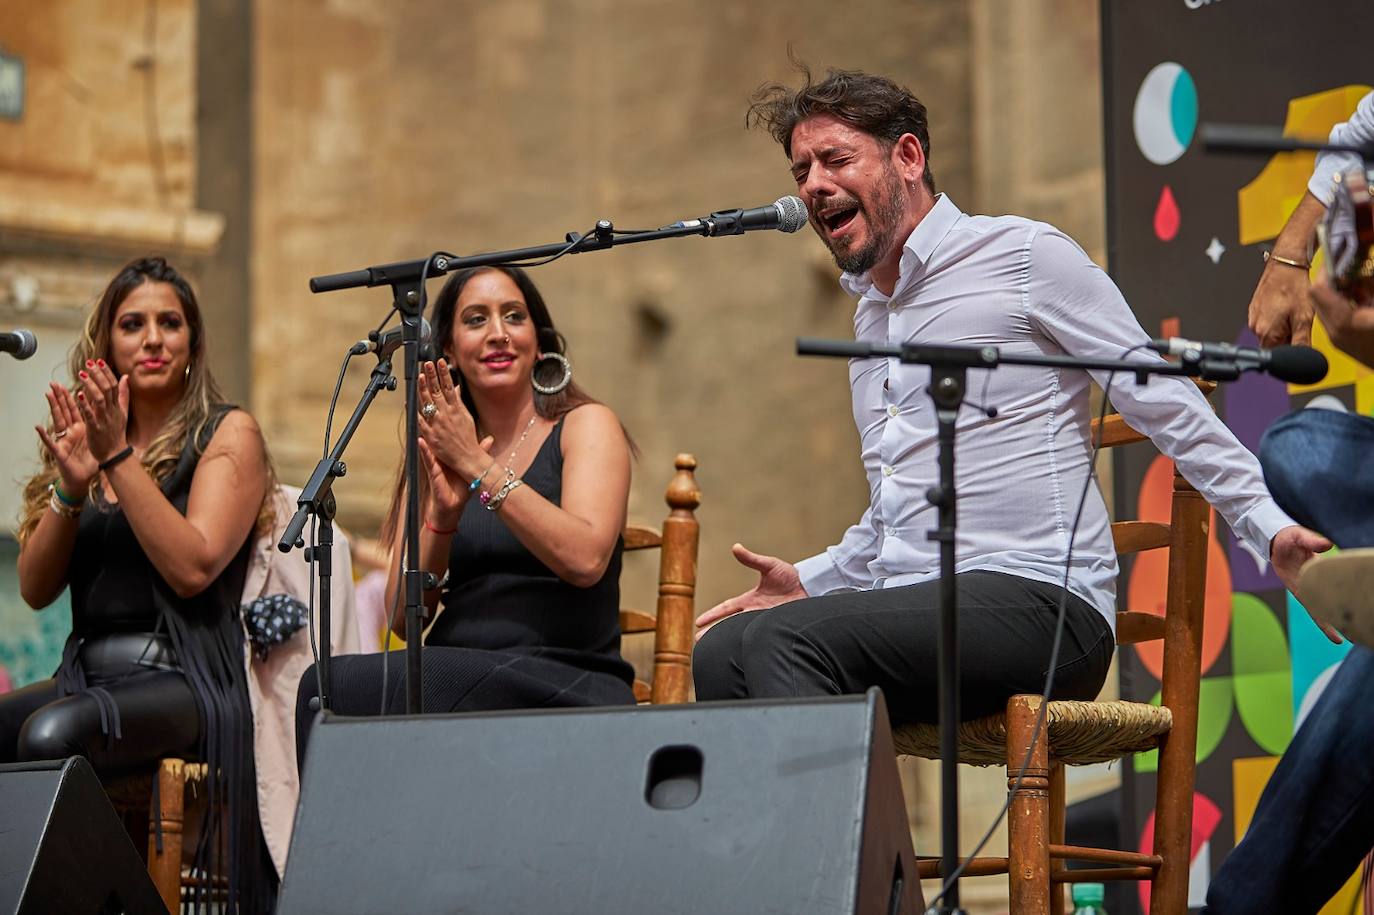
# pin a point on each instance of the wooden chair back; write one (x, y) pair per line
(671, 678)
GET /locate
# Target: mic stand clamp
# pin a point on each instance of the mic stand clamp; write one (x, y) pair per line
(317, 498)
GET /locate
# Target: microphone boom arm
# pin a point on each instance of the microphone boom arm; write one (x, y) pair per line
(989, 357)
(603, 237)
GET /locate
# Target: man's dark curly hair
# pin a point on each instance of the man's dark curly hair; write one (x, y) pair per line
(874, 104)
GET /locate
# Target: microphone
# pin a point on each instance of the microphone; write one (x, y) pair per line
(786, 214)
(21, 344)
(1261, 139)
(387, 343)
(1294, 364)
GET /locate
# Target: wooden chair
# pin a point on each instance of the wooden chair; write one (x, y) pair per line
(671, 679)
(155, 803)
(1083, 733)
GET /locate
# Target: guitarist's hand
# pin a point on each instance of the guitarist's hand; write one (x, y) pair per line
(1350, 324)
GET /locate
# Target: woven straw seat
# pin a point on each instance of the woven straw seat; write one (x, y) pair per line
(1080, 734)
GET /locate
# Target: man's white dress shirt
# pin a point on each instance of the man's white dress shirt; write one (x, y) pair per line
(1026, 288)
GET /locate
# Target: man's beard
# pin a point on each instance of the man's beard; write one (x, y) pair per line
(882, 228)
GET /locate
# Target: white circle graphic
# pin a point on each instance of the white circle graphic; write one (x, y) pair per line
(1165, 114)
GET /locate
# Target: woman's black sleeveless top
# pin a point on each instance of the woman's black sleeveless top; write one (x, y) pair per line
(501, 597)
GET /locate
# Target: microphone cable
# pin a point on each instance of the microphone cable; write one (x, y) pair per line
(314, 539)
(1054, 646)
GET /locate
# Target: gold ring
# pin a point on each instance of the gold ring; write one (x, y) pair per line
(58, 435)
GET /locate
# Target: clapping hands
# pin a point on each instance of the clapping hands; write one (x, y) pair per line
(67, 442)
(448, 443)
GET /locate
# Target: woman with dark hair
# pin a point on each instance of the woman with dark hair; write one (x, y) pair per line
(524, 498)
(145, 505)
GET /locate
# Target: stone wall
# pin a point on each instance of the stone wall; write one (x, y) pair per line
(102, 166)
(483, 127)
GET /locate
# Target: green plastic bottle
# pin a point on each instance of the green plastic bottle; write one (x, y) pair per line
(1087, 899)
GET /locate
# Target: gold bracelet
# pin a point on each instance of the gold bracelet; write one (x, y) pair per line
(1286, 261)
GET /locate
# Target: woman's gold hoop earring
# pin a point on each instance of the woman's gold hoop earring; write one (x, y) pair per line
(558, 385)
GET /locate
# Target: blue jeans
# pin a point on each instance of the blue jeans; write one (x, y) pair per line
(1315, 819)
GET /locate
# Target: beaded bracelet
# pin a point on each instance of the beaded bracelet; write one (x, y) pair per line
(488, 494)
(501, 495)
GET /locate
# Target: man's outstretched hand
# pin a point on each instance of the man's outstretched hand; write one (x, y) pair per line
(778, 584)
(1289, 551)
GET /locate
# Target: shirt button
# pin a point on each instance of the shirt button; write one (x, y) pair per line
(893, 411)
(888, 471)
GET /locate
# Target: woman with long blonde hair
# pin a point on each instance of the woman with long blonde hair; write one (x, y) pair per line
(145, 504)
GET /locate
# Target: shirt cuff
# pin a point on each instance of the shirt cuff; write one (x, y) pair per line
(1257, 529)
(819, 575)
(1328, 164)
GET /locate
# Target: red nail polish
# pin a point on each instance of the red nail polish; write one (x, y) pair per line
(100, 362)
(89, 363)
(82, 374)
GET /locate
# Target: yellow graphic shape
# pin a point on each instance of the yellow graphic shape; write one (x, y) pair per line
(1347, 901)
(1364, 396)
(1248, 778)
(1265, 204)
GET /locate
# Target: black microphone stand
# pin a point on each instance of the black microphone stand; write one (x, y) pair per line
(317, 498)
(949, 367)
(406, 279)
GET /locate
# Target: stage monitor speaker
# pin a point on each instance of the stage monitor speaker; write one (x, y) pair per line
(737, 807)
(62, 846)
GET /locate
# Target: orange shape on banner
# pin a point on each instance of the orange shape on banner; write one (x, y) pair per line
(1147, 590)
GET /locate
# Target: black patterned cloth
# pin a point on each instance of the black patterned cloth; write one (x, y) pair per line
(271, 620)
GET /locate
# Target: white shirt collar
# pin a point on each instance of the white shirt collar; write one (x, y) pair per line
(916, 251)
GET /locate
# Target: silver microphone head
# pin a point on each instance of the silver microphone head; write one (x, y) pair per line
(28, 344)
(791, 213)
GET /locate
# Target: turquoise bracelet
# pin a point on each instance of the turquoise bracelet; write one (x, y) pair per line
(63, 497)
(477, 480)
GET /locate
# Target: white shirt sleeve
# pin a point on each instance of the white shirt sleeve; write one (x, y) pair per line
(844, 566)
(1359, 129)
(1077, 305)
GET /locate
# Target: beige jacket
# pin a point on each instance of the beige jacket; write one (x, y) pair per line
(272, 683)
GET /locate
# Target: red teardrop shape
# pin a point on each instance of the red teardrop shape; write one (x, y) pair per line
(1166, 216)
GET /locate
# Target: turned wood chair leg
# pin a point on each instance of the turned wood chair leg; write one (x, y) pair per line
(1028, 822)
(164, 845)
(1058, 803)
